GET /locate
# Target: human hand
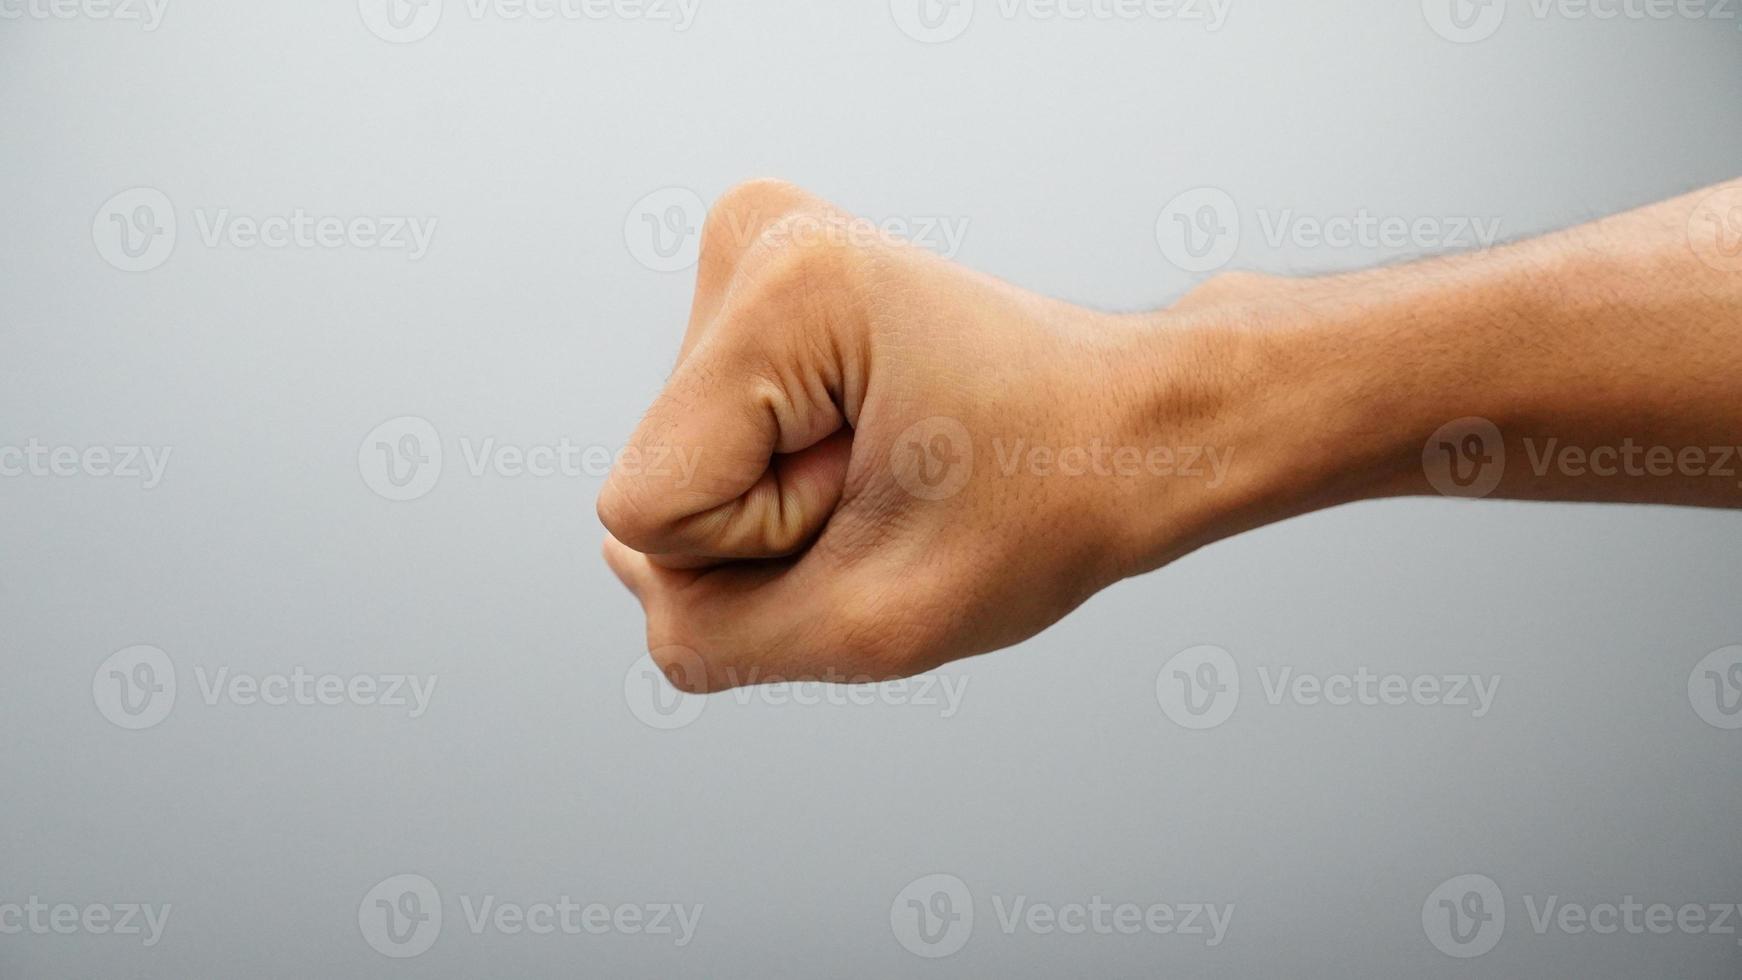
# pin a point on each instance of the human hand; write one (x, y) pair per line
(898, 462)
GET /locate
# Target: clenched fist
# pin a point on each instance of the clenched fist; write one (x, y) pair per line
(897, 462)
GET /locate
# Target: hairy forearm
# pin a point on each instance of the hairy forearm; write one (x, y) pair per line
(1603, 363)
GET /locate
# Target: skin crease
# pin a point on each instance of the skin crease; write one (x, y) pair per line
(816, 346)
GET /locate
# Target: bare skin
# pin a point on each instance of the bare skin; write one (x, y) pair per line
(901, 462)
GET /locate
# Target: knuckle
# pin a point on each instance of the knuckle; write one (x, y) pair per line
(757, 193)
(799, 255)
(793, 255)
(739, 215)
(782, 296)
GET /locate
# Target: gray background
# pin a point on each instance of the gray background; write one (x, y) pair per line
(531, 320)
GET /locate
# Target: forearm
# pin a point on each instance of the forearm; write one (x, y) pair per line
(1601, 364)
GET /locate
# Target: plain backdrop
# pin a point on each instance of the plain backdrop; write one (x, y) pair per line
(538, 315)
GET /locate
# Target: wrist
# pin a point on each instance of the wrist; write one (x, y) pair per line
(1212, 385)
(1322, 391)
